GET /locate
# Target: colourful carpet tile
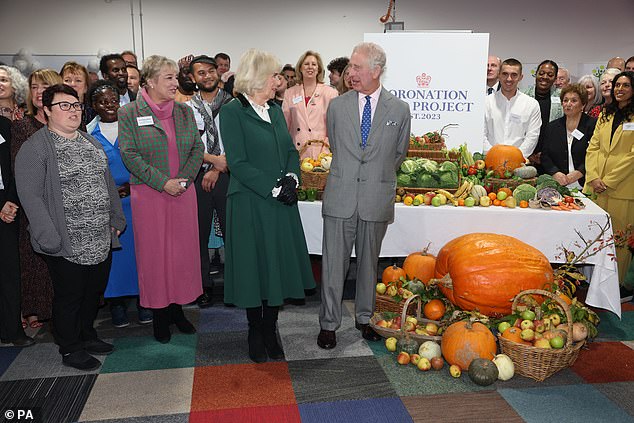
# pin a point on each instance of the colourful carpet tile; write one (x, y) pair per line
(208, 377)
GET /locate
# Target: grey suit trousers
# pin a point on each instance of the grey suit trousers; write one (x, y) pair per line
(338, 237)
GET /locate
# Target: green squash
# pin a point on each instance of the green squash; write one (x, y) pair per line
(483, 372)
(407, 345)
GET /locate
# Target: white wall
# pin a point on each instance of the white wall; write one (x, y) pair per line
(568, 31)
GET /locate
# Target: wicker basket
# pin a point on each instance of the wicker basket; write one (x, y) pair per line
(540, 363)
(436, 155)
(511, 184)
(386, 303)
(401, 333)
(316, 180)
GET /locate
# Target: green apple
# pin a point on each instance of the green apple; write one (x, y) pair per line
(503, 326)
(443, 199)
(390, 344)
(557, 342)
(381, 288)
(528, 315)
(469, 202)
(436, 201)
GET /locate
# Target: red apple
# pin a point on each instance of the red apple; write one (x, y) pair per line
(437, 363)
(414, 359)
(403, 358)
(431, 328)
(423, 364)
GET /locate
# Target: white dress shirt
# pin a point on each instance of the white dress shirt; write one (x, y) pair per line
(374, 100)
(512, 122)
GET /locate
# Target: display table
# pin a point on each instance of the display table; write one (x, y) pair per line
(547, 230)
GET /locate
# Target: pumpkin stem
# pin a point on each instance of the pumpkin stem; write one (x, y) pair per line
(425, 251)
(444, 281)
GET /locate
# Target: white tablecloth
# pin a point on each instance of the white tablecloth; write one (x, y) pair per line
(416, 227)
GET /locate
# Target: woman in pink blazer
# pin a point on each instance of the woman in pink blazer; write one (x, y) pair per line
(305, 106)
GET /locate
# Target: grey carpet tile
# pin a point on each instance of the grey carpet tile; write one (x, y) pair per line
(173, 418)
(563, 377)
(39, 361)
(54, 400)
(300, 343)
(340, 379)
(219, 348)
(621, 393)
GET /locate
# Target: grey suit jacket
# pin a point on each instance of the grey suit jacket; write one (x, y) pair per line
(365, 179)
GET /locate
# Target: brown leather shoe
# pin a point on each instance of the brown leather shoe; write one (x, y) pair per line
(369, 334)
(327, 339)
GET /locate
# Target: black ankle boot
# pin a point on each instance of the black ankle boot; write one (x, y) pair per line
(257, 351)
(179, 319)
(161, 324)
(273, 348)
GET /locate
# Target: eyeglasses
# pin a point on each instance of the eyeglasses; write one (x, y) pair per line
(66, 106)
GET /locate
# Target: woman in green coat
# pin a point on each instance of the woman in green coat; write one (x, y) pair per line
(266, 255)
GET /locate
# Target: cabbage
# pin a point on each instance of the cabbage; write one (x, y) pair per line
(548, 183)
(543, 178)
(448, 180)
(524, 192)
(426, 181)
(403, 180)
(408, 166)
(448, 167)
(429, 166)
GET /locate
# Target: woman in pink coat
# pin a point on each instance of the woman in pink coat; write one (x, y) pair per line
(305, 106)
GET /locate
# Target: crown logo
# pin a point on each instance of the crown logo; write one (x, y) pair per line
(423, 80)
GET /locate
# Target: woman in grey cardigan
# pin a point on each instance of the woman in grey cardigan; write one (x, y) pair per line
(74, 213)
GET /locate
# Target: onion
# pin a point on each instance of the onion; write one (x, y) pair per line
(506, 368)
(579, 332)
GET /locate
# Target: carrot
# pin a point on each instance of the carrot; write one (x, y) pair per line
(555, 208)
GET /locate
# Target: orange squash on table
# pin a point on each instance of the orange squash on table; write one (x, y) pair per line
(420, 265)
(464, 341)
(484, 272)
(392, 274)
(501, 158)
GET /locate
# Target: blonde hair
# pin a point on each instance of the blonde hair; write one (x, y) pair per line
(48, 76)
(254, 69)
(299, 77)
(152, 66)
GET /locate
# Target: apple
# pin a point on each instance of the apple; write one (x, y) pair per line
(469, 202)
(454, 370)
(557, 342)
(423, 364)
(395, 326)
(437, 363)
(485, 201)
(381, 288)
(428, 197)
(527, 334)
(392, 291)
(382, 324)
(503, 326)
(409, 327)
(421, 331)
(403, 358)
(528, 314)
(417, 202)
(542, 343)
(479, 164)
(501, 195)
(518, 323)
(397, 320)
(390, 344)
(539, 326)
(555, 319)
(412, 319)
(527, 324)
(431, 328)
(436, 201)
(538, 335)
(443, 199)
(414, 359)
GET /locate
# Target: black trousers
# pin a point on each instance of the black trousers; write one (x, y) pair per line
(76, 300)
(207, 203)
(10, 290)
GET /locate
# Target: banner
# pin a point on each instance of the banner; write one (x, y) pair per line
(442, 76)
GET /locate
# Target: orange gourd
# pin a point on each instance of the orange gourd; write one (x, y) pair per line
(513, 334)
(484, 272)
(420, 265)
(392, 274)
(464, 341)
(434, 309)
(501, 158)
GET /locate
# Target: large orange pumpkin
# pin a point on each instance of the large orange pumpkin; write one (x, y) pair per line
(420, 265)
(485, 271)
(501, 158)
(392, 274)
(463, 341)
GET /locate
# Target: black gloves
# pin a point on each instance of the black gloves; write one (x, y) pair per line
(287, 193)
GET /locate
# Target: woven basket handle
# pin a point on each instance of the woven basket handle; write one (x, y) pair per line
(561, 303)
(406, 306)
(310, 142)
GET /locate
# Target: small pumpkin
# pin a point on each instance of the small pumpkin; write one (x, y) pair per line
(463, 341)
(513, 334)
(420, 265)
(392, 274)
(483, 372)
(506, 368)
(501, 158)
(434, 309)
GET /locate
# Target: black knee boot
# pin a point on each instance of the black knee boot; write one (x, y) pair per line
(179, 319)
(161, 324)
(273, 348)
(257, 351)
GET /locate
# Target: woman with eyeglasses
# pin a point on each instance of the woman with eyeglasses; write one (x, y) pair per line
(66, 189)
(37, 287)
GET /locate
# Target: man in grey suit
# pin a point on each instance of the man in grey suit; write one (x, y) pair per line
(368, 131)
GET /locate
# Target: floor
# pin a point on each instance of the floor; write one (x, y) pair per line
(208, 377)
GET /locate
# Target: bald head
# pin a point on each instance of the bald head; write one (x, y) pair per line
(563, 78)
(493, 70)
(617, 63)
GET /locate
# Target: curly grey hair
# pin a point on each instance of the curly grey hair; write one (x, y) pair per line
(18, 83)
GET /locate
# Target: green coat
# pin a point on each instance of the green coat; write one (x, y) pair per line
(266, 257)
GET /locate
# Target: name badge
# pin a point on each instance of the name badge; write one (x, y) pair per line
(628, 126)
(577, 134)
(145, 120)
(515, 118)
(2, 140)
(297, 99)
(555, 100)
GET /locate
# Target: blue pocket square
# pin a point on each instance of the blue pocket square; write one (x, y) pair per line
(391, 123)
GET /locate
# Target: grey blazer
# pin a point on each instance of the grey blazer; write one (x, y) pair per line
(40, 193)
(365, 179)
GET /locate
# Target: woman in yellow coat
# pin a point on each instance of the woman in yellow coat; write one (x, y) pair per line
(610, 161)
